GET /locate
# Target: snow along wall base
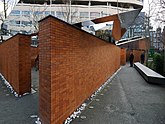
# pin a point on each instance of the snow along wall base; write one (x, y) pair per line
(73, 65)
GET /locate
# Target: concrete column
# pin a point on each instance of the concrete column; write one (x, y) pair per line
(109, 4)
(70, 11)
(89, 5)
(50, 9)
(107, 8)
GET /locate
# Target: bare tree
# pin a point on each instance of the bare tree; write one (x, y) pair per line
(161, 11)
(68, 12)
(36, 14)
(6, 5)
(150, 16)
(161, 19)
(3, 15)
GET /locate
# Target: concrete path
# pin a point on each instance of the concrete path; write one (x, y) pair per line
(127, 99)
(19, 110)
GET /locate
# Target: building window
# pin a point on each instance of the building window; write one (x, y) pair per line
(15, 12)
(38, 13)
(84, 14)
(34, 41)
(95, 14)
(13, 32)
(17, 22)
(60, 14)
(103, 14)
(14, 22)
(53, 13)
(26, 23)
(23, 31)
(26, 13)
(48, 13)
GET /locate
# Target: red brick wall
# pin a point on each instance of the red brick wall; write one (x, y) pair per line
(123, 56)
(34, 53)
(136, 53)
(15, 62)
(73, 64)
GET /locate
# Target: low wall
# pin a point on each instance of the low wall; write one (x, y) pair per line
(73, 64)
(15, 64)
(123, 56)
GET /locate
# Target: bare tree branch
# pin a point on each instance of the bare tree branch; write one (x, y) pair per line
(35, 17)
(68, 12)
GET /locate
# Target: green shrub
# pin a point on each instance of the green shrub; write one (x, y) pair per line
(150, 64)
(158, 63)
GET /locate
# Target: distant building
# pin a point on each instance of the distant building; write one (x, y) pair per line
(24, 18)
(163, 37)
(157, 39)
(152, 38)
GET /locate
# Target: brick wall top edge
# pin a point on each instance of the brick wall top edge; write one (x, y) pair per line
(50, 16)
(18, 34)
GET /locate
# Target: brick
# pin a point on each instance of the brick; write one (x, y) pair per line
(15, 62)
(73, 64)
(123, 56)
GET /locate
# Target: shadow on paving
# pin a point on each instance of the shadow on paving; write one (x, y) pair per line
(127, 99)
(21, 110)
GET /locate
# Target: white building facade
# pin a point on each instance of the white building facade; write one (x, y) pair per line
(25, 16)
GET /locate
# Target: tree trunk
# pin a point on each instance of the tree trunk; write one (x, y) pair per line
(5, 11)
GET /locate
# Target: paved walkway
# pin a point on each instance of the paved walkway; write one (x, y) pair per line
(19, 110)
(127, 99)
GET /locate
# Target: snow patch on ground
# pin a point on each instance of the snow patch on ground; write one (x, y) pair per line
(33, 91)
(10, 87)
(77, 113)
(38, 121)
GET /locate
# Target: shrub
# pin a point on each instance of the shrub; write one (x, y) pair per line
(158, 63)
